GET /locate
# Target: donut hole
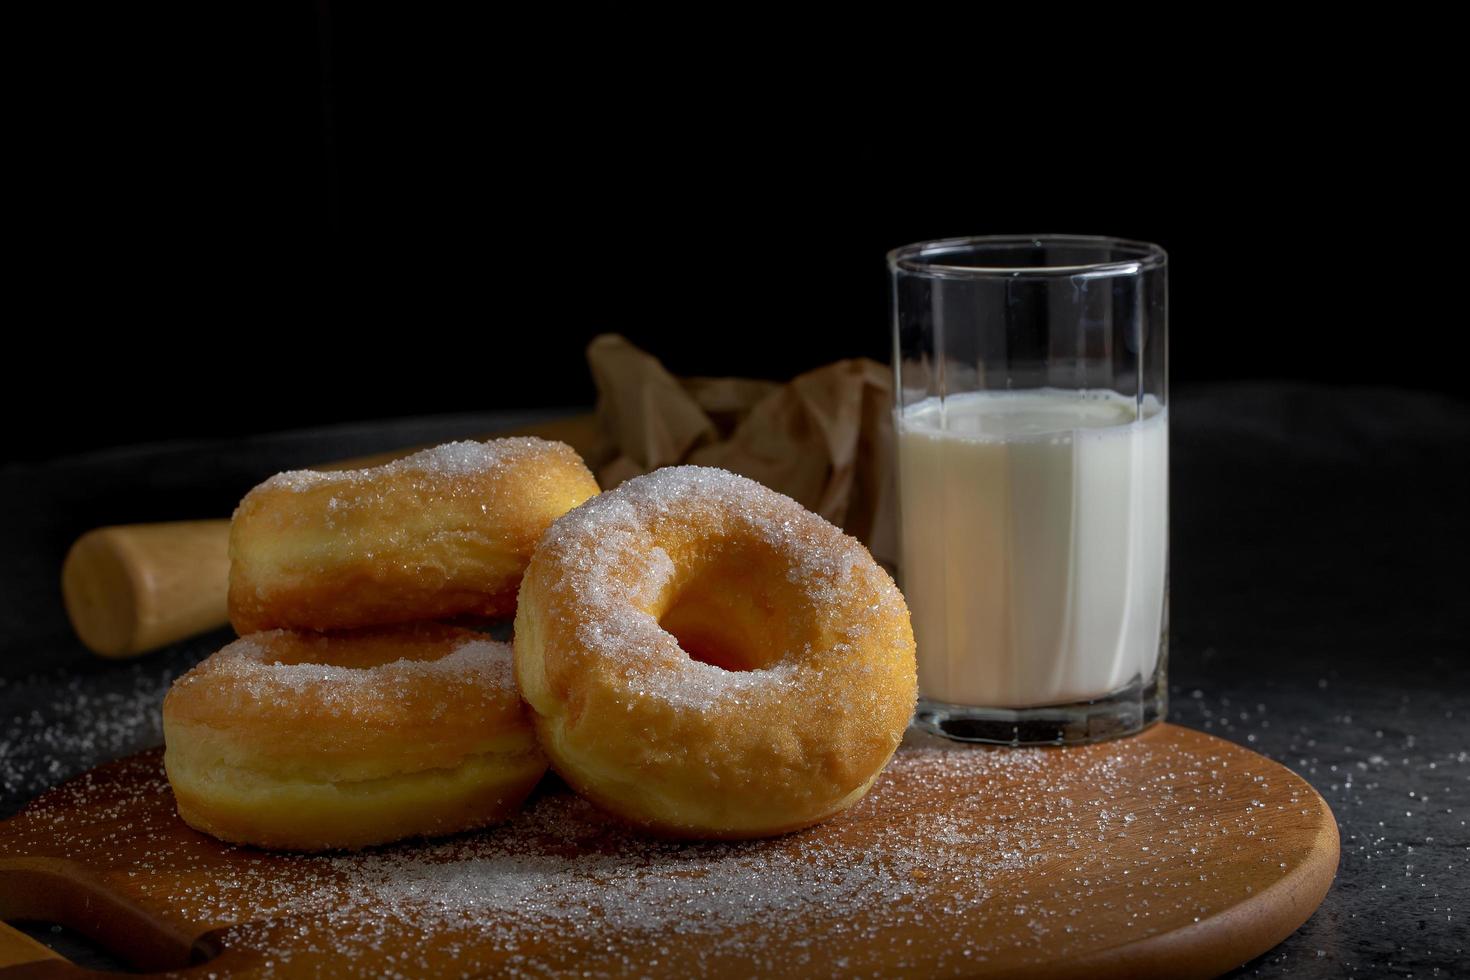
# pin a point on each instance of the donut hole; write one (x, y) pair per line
(736, 610)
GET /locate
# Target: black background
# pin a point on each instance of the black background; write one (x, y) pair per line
(229, 221)
(238, 223)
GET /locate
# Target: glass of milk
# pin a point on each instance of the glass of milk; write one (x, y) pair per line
(1033, 451)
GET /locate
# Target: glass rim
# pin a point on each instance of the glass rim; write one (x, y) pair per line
(918, 258)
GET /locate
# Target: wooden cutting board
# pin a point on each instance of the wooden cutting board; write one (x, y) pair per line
(1171, 854)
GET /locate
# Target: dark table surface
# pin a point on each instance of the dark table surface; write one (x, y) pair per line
(1318, 614)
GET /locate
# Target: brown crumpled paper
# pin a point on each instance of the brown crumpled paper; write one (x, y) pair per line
(825, 438)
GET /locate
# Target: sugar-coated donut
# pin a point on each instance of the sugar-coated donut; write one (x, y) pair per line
(442, 533)
(706, 658)
(320, 741)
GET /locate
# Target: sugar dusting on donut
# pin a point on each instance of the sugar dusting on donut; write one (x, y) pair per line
(615, 564)
(453, 459)
(251, 667)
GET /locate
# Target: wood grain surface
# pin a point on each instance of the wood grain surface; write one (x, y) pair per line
(1170, 854)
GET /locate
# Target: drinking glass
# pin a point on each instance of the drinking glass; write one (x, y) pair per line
(1031, 413)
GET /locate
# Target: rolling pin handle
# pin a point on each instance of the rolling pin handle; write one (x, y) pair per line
(135, 588)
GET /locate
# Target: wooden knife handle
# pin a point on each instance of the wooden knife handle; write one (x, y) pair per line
(134, 588)
(17, 948)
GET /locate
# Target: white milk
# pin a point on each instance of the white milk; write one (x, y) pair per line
(1034, 543)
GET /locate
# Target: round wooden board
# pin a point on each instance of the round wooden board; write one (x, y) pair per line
(1171, 854)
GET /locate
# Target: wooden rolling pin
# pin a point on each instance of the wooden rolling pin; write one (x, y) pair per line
(134, 588)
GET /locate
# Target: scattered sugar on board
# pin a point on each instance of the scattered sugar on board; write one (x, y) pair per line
(1400, 756)
(561, 881)
(53, 727)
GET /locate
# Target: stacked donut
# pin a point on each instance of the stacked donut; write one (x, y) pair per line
(697, 654)
(346, 715)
